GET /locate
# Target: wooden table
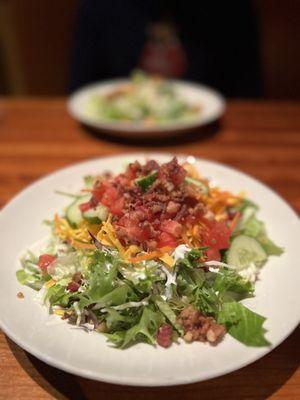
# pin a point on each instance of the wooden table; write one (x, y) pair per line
(263, 139)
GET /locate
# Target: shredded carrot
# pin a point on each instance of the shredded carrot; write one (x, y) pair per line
(147, 256)
(234, 221)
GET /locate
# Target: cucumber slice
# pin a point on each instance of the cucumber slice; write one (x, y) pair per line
(73, 212)
(145, 182)
(96, 215)
(245, 250)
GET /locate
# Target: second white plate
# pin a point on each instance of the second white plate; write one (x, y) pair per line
(211, 102)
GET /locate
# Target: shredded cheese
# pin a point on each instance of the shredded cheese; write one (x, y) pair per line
(107, 235)
(77, 237)
(50, 283)
(59, 312)
(167, 259)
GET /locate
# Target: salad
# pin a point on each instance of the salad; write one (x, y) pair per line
(154, 254)
(146, 99)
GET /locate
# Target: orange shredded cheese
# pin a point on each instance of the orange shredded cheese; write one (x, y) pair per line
(79, 237)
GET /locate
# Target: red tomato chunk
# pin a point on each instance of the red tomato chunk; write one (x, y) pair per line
(45, 260)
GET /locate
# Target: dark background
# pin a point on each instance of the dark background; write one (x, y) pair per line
(242, 48)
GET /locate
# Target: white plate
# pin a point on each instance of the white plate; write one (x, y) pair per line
(89, 355)
(212, 107)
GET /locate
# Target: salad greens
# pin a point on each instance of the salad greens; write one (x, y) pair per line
(132, 302)
(147, 99)
(156, 296)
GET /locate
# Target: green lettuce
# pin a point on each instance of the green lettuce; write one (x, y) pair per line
(167, 311)
(243, 324)
(228, 281)
(144, 331)
(32, 280)
(250, 225)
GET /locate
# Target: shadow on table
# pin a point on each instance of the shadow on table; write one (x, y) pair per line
(257, 381)
(142, 139)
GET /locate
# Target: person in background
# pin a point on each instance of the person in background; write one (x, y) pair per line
(211, 42)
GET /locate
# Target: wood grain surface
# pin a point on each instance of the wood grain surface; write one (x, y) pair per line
(260, 138)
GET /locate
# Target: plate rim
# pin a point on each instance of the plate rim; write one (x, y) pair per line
(129, 128)
(135, 382)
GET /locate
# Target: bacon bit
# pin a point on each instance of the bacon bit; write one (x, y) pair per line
(102, 327)
(199, 327)
(73, 286)
(77, 277)
(234, 221)
(164, 335)
(20, 295)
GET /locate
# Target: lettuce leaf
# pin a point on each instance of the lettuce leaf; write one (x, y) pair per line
(189, 279)
(228, 280)
(114, 298)
(143, 277)
(207, 301)
(191, 258)
(243, 324)
(32, 280)
(101, 283)
(144, 331)
(167, 311)
(117, 320)
(251, 226)
(269, 246)
(57, 295)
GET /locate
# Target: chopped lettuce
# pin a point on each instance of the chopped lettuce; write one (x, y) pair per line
(228, 281)
(191, 258)
(132, 301)
(167, 311)
(144, 331)
(243, 324)
(29, 279)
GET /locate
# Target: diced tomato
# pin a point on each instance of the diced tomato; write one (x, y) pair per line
(45, 260)
(99, 190)
(92, 203)
(109, 196)
(117, 206)
(166, 240)
(172, 227)
(216, 235)
(85, 206)
(133, 230)
(213, 254)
